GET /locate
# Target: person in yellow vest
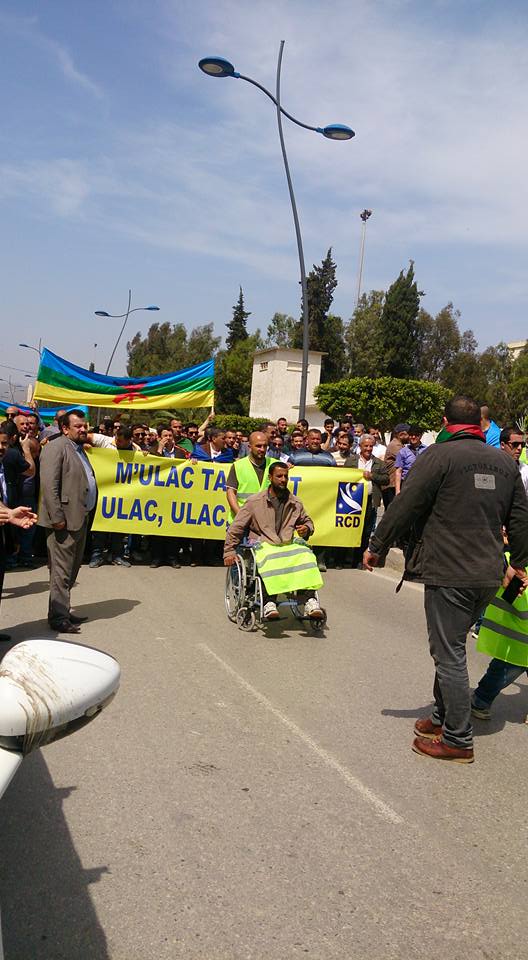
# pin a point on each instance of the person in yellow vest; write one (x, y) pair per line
(248, 475)
(277, 524)
(503, 635)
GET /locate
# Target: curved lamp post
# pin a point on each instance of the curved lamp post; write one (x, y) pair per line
(119, 316)
(29, 347)
(218, 67)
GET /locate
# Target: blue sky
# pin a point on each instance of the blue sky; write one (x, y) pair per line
(122, 165)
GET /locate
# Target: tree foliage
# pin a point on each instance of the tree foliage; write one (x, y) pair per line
(237, 326)
(363, 339)
(325, 330)
(168, 347)
(233, 375)
(384, 401)
(400, 331)
(281, 331)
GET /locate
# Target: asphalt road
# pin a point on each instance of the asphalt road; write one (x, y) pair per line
(255, 795)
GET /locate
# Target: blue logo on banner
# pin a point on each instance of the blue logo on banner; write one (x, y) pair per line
(350, 497)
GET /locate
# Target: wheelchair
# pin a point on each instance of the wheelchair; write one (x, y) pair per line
(244, 597)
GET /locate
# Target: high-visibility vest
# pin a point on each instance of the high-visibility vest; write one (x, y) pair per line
(287, 566)
(248, 482)
(504, 630)
(524, 456)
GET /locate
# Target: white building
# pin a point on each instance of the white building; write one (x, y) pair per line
(515, 348)
(276, 385)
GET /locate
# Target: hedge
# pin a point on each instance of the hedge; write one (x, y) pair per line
(385, 401)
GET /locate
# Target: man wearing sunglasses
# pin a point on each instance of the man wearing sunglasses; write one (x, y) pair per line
(512, 442)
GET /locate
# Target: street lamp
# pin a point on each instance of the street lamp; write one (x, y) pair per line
(29, 347)
(118, 316)
(364, 215)
(218, 67)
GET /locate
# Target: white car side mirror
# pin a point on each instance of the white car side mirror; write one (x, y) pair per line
(49, 689)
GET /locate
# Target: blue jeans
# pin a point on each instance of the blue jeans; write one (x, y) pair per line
(498, 676)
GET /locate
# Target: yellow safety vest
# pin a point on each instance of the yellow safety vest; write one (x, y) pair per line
(248, 482)
(504, 630)
(524, 457)
(288, 566)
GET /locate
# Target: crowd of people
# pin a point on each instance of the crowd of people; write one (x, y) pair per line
(433, 504)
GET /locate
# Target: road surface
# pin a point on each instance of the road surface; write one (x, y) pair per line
(254, 796)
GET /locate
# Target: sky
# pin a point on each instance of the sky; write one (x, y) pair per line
(124, 166)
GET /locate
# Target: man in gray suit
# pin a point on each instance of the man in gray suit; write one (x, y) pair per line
(69, 493)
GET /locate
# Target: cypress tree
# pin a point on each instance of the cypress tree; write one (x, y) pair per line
(400, 328)
(326, 332)
(237, 327)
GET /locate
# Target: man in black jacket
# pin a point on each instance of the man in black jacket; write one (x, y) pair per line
(456, 500)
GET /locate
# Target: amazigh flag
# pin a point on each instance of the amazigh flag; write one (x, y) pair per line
(59, 381)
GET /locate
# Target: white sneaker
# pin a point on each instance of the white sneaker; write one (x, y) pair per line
(270, 611)
(312, 609)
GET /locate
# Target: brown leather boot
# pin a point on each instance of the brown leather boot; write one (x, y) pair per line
(427, 729)
(438, 750)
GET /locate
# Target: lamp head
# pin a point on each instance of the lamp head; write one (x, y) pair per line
(152, 308)
(217, 67)
(101, 313)
(337, 131)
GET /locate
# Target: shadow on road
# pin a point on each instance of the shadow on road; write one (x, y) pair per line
(47, 912)
(105, 609)
(508, 708)
(27, 590)
(98, 610)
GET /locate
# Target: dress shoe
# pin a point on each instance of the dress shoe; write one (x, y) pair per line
(155, 564)
(77, 620)
(175, 565)
(427, 729)
(438, 750)
(64, 626)
(5, 637)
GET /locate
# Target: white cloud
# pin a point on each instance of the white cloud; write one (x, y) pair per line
(27, 28)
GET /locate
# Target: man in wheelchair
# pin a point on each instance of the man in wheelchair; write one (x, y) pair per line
(276, 525)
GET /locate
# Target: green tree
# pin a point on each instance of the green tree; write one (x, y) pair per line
(384, 401)
(233, 375)
(440, 341)
(237, 326)
(401, 335)
(485, 376)
(281, 331)
(168, 347)
(325, 331)
(363, 337)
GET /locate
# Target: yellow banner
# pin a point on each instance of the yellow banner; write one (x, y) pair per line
(176, 498)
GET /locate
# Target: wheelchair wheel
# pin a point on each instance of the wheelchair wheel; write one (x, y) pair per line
(246, 620)
(235, 588)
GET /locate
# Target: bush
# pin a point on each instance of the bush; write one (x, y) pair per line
(385, 401)
(235, 421)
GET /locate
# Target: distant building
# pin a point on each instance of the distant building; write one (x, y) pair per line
(276, 385)
(515, 348)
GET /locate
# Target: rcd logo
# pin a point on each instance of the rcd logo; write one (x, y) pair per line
(349, 504)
